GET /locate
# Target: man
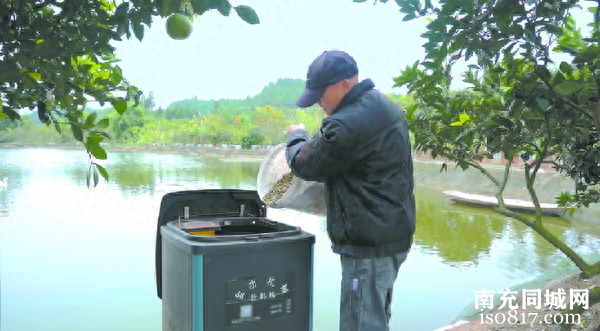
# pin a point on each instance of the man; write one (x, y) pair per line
(363, 155)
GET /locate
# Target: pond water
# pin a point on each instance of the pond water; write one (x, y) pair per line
(73, 258)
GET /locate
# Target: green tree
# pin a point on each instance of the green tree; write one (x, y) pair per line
(126, 127)
(57, 54)
(516, 104)
(271, 123)
(6, 127)
(148, 102)
(159, 113)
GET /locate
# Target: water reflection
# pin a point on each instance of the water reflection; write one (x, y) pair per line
(98, 244)
(134, 172)
(459, 238)
(163, 173)
(227, 174)
(4, 203)
(462, 235)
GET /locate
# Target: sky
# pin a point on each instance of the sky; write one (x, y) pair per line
(225, 57)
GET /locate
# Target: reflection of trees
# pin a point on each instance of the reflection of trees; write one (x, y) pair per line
(456, 235)
(129, 171)
(229, 174)
(143, 171)
(526, 251)
(130, 174)
(3, 202)
(462, 234)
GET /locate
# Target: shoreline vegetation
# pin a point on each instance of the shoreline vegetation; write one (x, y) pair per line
(228, 153)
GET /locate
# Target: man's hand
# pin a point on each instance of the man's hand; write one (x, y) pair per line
(295, 127)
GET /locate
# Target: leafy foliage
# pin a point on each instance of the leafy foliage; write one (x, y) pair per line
(57, 54)
(520, 103)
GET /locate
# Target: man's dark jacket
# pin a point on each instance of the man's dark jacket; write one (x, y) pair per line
(363, 155)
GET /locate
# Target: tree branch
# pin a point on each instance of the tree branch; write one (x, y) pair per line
(502, 186)
(561, 98)
(552, 239)
(473, 164)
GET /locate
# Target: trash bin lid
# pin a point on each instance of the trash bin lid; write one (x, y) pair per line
(204, 204)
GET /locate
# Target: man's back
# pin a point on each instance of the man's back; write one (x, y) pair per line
(362, 153)
(371, 203)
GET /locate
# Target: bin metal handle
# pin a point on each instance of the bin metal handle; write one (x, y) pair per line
(258, 237)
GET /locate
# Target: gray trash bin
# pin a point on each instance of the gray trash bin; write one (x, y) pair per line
(222, 265)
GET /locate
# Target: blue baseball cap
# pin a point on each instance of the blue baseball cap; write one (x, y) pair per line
(327, 69)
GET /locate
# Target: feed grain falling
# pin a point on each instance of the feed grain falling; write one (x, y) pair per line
(278, 190)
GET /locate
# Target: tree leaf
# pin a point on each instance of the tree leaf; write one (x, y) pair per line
(570, 86)
(117, 75)
(503, 121)
(585, 56)
(542, 102)
(542, 72)
(122, 9)
(439, 105)
(102, 124)
(430, 65)
(224, 7)
(409, 17)
(35, 76)
(556, 30)
(77, 132)
(138, 29)
(91, 118)
(247, 14)
(95, 177)
(566, 49)
(94, 138)
(167, 7)
(56, 126)
(103, 134)
(566, 68)
(359, 0)
(122, 28)
(97, 151)
(462, 119)
(201, 6)
(88, 177)
(120, 105)
(102, 171)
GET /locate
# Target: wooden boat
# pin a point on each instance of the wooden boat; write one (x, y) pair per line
(516, 205)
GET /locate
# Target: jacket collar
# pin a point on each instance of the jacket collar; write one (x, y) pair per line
(354, 93)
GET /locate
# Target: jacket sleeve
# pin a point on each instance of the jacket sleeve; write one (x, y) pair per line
(328, 153)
